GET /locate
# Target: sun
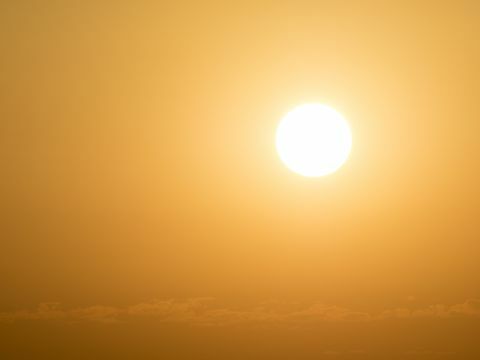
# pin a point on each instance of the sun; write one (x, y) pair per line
(313, 140)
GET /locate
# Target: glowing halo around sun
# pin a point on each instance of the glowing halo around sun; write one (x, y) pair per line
(313, 140)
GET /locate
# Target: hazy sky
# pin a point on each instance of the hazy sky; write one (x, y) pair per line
(144, 212)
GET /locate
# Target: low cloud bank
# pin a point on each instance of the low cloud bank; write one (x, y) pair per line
(209, 312)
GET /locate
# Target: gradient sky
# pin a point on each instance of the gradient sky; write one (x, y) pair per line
(144, 212)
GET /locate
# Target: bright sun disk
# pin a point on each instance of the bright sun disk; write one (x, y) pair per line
(313, 140)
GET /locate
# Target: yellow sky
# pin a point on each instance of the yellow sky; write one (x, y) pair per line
(139, 166)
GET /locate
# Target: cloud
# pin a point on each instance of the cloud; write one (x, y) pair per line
(343, 353)
(416, 353)
(320, 312)
(97, 313)
(44, 311)
(209, 312)
(470, 308)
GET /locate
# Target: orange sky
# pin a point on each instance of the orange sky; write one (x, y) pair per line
(145, 210)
